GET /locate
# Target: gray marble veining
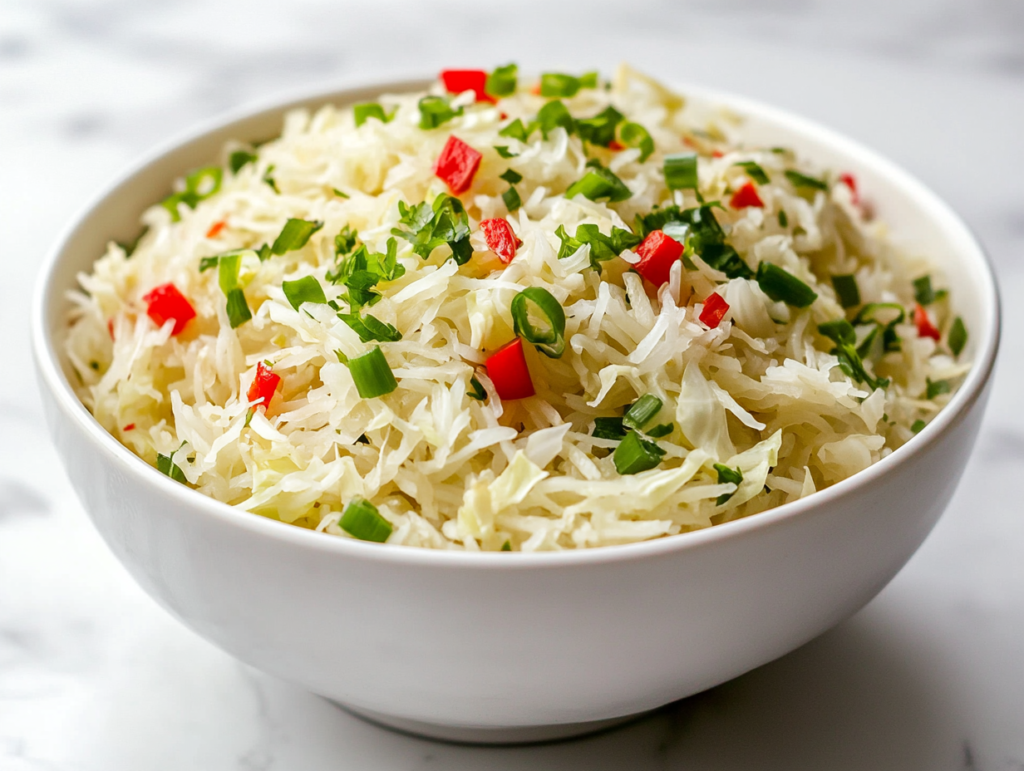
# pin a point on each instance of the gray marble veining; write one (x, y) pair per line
(93, 677)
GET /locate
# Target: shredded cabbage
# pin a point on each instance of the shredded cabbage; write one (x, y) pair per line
(763, 393)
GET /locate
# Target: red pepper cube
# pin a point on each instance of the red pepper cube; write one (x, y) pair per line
(715, 308)
(500, 238)
(746, 196)
(925, 328)
(457, 81)
(658, 253)
(215, 228)
(264, 385)
(166, 302)
(615, 146)
(457, 164)
(508, 371)
(851, 182)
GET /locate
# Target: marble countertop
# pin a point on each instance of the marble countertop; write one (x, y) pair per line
(94, 677)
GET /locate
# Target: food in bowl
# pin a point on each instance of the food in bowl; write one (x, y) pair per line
(509, 315)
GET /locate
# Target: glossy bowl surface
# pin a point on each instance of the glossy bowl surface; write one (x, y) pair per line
(512, 647)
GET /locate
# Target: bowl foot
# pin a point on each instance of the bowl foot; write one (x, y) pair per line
(484, 735)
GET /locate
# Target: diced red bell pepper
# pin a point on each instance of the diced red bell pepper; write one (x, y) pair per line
(215, 228)
(166, 302)
(129, 427)
(264, 385)
(500, 238)
(717, 154)
(615, 145)
(457, 81)
(507, 369)
(746, 196)
(851, 182)
(925, 328)
(457, 164)
(658, 253)
(715, 308)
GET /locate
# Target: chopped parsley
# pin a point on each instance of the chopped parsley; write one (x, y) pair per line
(428, 226)
(435, 111)
(240, 159)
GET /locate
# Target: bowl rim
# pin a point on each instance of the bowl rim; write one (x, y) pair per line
(51, 375)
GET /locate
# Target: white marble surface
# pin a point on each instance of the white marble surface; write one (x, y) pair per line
(94, 677)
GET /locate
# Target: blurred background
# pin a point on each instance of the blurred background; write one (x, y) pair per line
(94, 677)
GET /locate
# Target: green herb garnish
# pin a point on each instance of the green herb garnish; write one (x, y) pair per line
(435, 111)
(428, 227)
(800, 181)
(363, 112)
(503, 81)
(681, 171)
(549, 337)
(847, 291)
(727, 475)
(635, 135)
(957, 336)
(635, 454)
(642, 412)
(304, 290)
(372, 374)
(754, 171)
(782, 286)
(362, 520)
(599, 183)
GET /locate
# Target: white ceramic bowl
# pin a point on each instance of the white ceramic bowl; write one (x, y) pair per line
(507, 647)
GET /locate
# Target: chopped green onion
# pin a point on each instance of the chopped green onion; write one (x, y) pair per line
(476, 390)
(129, 247)
(372, 374)
(936, 388)
(345, 241)
(635, 135)
(783, 219)
(783, 286)
(799, 180)
(362, 520)
(511, 176)
(642, 411)
(681, 171)
(294, 235)
(237, 308)
(431, 226)
(507, 546)
(602, 247)
(511, 199)
(199, 185)
(957, 336)
(608, 428)
(634, 454)
(304, 290)
(363, 112)
(552, 115)
(504, 152)
(917, 426)
(840, 331)
(549, 341)
(561, 85)
(754, 171)
(515, 130)
(248, 416)
(370, 328)
(600, 130)
(663, 430)
(165, 465)
(847, 290)
(727, 475)
(209, 262)
(599, 183)
(923, 292)
(340, 193)
(502, 82)
(869, 311)
(268, 178)
(436, 110)
(239, 159)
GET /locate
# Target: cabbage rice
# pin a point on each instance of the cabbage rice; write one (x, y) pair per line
(331, 328)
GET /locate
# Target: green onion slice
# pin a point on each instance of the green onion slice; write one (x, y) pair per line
(659, 431)
(754, 171)
(634, 454)
(642, 411)
(957, 336)
(539, 302)
(869, 313)
(511, 176)
(304, 290)
(937, 387)
(503, 81)
(372, 374)
(435, 111)
(917, 426)
(783, 286)
(237, 308)
(799, 181)
(239, 159)
(783, 219)
(370, 328)
(839, 331)
(635, 135)
(552, 115)
(511, 199)
(363, 112)
(600, 130)
(681, 171)
(515, 130)
(362, 520)
(294, 235)
(727, 475)
(847, 290)
(608, 428)
(504, 152)
(476, 390)
(599, 183)
(923, 291)
(561, 85)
